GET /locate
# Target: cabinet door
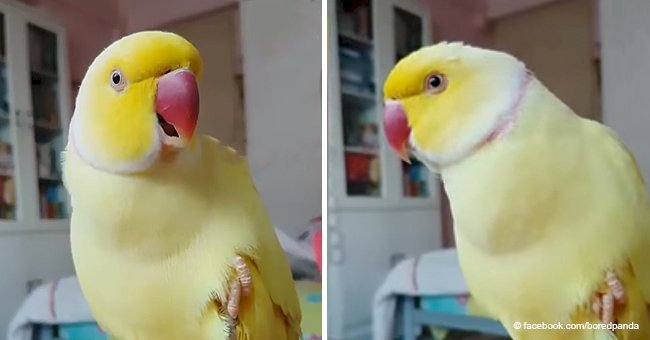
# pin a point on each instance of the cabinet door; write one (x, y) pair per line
(357, 105)
(404, 28)
(43, 75)
(9, 207)
(49, 135)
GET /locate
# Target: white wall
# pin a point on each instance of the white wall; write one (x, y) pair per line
(281, 45)
(625, 39)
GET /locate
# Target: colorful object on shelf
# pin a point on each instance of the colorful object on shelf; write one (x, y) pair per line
(52, 201)
(6, 160)
(9, 191)
(357, 166)
(415, 177)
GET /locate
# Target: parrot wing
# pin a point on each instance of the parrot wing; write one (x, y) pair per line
(273, 287)
(268, 278)
(628, 166)
(275, 274)
(274, 300)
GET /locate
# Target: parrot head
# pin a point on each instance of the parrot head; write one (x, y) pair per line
(444, 101)
(138, 103)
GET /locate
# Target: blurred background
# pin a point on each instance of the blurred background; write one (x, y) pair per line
(260, 93)
(392, 265)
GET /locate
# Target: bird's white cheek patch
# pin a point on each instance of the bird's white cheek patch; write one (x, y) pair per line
(94, 159)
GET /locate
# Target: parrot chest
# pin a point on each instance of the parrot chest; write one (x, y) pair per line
(169, 297)
(546, 222)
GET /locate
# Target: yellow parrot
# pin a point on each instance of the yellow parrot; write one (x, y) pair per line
(169, 236)
(550, 210)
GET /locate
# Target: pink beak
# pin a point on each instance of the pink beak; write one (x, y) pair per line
(177, 102)
(396, 128)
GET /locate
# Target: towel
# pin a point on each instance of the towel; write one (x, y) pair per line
(433, 273)
(56, 302)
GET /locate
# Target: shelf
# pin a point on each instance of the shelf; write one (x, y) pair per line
(355, 38)
(44, 132)
(359, 95)
(51, 178)
(45, 74)
(13, 227)
(364, 150)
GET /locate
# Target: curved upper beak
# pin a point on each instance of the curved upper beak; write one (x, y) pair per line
(177, 104)
(396, 128)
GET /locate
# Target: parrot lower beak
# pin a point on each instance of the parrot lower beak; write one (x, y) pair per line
(177, 106)
(396, 128)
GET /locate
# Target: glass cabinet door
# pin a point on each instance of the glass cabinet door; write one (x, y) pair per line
(7, 157)
(48, 132)
(359, 109)
(408, 34)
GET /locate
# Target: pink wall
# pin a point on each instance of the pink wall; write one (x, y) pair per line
(147, 14)
(461, 20)
(500, 8)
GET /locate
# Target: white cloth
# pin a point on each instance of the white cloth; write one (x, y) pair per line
(434, 273)
(295, 248)
(56, 302)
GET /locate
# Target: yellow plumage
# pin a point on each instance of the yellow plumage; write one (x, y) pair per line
(154, 248)
(542, 212)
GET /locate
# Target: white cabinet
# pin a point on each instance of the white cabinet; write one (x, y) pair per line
(34, 113)
(380, 209)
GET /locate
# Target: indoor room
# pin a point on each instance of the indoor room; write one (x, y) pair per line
(259, 94)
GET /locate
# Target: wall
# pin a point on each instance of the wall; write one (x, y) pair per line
(221, 114)
(556, 42)
(147, 14)
(459, 20)
(281, 44)
(625, 53)
(501, 8)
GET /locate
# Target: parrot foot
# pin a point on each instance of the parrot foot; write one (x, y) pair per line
(242, 285)
(231, 328)
(244, 275)
(603, 304)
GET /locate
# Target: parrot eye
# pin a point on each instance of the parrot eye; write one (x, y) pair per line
(117, 80)
(436, 83)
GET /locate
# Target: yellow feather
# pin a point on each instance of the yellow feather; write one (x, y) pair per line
(153, 250)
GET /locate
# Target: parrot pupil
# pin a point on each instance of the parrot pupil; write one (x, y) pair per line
(116, 78)
(435, 81)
